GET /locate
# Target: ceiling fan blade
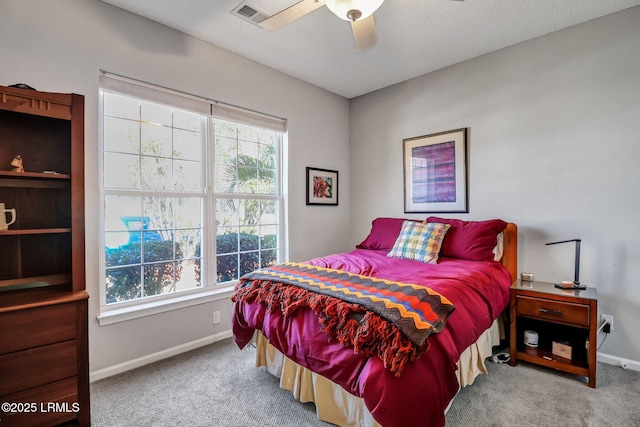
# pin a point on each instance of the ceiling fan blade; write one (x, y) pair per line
(364, 32)
(290, 14)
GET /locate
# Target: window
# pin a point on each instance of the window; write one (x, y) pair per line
(191, 193)
(247, 206)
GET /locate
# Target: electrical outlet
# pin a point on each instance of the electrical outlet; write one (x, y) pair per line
(216, 317)
(609, 319)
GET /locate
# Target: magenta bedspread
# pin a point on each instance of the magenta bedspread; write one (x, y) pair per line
(377, 317)
(419, 396)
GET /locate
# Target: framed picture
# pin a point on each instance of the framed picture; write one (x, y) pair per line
(322, 187)
(435, 172)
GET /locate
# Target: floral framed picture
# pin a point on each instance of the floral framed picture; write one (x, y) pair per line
(322, 187)
(435, 172)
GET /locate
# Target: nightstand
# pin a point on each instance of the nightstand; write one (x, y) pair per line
(566, 317)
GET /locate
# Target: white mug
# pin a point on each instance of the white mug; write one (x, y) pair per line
(4, 225)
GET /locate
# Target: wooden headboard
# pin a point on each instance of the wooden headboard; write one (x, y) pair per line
(510, 254)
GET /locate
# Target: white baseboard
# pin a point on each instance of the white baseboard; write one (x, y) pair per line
(634, 365)
(173, 351)
(154, 357)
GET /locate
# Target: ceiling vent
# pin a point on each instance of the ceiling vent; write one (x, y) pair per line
(249, 13)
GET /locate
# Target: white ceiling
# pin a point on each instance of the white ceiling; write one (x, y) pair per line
(414, 36)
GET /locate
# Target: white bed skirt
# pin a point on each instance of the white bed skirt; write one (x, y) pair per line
(337, 406)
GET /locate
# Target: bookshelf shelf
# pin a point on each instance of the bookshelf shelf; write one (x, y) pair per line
(34, 231)
(36, 281)
(19, 176)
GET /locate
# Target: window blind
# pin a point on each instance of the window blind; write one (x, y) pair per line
(165, 96)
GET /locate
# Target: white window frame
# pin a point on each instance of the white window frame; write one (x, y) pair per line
(210, 290)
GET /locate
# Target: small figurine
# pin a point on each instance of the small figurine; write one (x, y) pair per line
(17, 164)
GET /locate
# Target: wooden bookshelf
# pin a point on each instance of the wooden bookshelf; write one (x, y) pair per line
(43, 302)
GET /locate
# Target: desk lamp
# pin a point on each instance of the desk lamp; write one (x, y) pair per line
(576, 278)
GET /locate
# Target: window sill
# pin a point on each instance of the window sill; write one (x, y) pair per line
(137, 311)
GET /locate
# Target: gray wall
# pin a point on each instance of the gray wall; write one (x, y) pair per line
(554, 147)
(60, 46)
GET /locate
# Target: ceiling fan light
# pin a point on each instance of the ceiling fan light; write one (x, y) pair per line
(345, 9)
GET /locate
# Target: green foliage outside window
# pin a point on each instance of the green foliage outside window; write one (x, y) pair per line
(232, 266)
(124, 283)
(124, 264)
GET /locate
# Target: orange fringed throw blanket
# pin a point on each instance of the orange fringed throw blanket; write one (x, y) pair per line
(377, 317)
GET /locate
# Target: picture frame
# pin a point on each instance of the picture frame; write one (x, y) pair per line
(435, 173)
(322, 187)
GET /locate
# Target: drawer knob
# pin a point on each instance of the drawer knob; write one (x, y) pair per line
(554, 312)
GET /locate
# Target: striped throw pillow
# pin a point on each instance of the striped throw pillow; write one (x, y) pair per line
(420, 241)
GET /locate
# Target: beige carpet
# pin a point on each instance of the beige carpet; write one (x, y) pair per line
(218, 385)
(529, 396)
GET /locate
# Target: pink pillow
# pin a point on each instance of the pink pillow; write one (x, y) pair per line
(472, 240)
(383, 234)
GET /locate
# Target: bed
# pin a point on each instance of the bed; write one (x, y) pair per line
(401, 376)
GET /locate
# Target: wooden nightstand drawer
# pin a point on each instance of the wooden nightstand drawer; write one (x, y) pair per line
(20, 330)
(557, 311)
(30, 368)
(62, 393)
